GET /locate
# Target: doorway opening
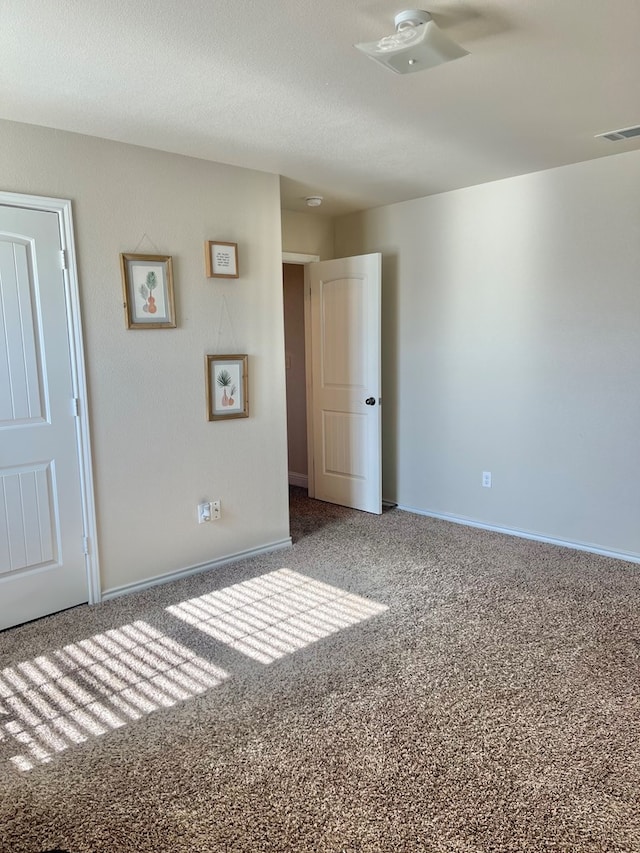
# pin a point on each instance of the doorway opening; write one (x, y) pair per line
(295, 372)
(296, 364)
(333, 340)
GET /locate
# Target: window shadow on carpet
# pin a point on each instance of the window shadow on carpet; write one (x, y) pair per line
(275, 614)
(104, 682)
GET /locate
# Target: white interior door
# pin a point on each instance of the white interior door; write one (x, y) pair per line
(42, 545)
(346, 424)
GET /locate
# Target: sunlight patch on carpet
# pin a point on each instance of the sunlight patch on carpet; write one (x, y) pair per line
(93, 686)
(275, 614)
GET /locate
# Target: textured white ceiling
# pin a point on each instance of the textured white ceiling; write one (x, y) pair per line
(278, 86)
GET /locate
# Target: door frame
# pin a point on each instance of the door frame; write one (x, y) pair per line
(62, 209)
(303, 260)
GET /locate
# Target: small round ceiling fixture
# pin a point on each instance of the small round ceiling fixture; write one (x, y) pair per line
(313, 200)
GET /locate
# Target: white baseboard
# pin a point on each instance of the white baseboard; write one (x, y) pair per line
(524, 534)
(139, 586)
(298, 480)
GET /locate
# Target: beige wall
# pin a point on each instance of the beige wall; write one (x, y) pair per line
(307, 234)
(511, 344)
(155, 454)
(293, 284)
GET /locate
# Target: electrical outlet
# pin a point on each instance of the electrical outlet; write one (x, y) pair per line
(204, 512)
(216, 510)
(486, 479)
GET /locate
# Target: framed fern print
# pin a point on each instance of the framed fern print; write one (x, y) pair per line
(227, 378)
(147, 285)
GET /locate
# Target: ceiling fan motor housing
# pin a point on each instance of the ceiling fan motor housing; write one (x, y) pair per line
(411, 17)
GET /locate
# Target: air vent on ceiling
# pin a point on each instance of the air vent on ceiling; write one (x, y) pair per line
(617, 135)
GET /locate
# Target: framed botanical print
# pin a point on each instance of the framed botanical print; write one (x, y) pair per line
(147, 285)
(227, 383)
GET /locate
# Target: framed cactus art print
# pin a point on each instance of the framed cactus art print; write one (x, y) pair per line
(147, 285)
(227, 387)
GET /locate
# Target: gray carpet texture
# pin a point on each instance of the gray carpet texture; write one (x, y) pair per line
(392, 683)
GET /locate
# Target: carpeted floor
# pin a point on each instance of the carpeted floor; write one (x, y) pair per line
(389, 684)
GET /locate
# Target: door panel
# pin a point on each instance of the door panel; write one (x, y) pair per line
(344, 349)
(27, 519)
(345, 372)
(344, 453)
(19, 357)
(42, 559)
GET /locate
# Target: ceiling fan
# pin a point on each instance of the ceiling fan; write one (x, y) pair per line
(417, 44)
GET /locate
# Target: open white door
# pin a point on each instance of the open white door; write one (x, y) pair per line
(43, 535)
(345, 447)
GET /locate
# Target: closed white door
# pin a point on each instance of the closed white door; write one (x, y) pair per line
(345, 379)
(42, 552)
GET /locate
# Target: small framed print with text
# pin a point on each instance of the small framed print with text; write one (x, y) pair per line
(221, 259)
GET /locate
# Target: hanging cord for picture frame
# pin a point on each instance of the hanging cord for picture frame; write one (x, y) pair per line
(146, 237)
(224, 309)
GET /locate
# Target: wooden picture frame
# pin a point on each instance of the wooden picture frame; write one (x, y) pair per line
(227, 384)
(147, 286)
(221, 259)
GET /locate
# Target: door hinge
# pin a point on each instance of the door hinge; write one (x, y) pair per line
(63, 259)
(85, 545)
(75, 407)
